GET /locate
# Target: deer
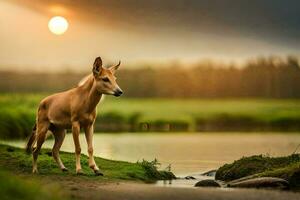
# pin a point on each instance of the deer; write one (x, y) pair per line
(73, 109)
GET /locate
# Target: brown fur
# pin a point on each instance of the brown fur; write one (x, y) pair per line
(75, 109)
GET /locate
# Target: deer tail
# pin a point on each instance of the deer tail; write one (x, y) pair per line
(31, 140)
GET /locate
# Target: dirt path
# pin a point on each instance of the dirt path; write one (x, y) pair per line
(79, 188)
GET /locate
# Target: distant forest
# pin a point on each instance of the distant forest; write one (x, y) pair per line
(271, 77)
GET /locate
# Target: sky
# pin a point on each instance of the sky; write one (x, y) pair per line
(137, 31)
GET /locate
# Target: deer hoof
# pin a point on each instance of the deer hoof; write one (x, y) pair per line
(80, 172)
(64, 170)
(98, 173)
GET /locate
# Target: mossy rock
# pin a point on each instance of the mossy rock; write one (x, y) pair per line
(253, 165)
(286, 167)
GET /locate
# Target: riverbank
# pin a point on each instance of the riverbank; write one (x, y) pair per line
(17, 180)
(121, 180)
(13, 158)
(74, 187)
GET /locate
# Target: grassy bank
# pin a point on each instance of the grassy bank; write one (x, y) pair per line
(12, 158)
(14, 187)
(17, 115)
(287, 167)
(17, 182)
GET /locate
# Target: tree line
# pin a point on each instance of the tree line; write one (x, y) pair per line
(264, 77)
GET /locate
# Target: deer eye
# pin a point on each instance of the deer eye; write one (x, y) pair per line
(105, 79)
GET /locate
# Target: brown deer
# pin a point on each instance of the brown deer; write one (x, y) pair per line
(75, 109)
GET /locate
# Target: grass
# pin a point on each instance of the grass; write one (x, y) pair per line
(187, 109)
(14, 187)
(286, 167)
(17, 159)
(17, 182)
(17, 114)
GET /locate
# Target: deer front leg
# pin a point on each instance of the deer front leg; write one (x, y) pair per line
(89, 131)
(75, 132)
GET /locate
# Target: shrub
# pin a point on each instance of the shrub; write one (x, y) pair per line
(152, 172)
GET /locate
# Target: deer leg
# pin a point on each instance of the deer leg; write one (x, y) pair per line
(42, 128)
(75, 132)
(59, 135)
(89, 130)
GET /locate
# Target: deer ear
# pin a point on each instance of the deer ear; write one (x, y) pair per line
(97, 67)
(115, 67)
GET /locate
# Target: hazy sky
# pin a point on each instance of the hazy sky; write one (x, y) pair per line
(145, 31)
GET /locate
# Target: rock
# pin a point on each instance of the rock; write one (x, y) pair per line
(189, 177)
(207, 183)
(262, 182)
(243, 178)
(210, 173)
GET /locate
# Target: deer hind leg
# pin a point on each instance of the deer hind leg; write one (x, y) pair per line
(42, 128)
(59, 136)
(75, 132)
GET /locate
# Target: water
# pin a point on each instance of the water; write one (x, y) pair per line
(188, 153)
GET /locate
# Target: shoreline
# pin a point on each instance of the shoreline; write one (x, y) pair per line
(142, 191)
(121, 184)
(85, 188)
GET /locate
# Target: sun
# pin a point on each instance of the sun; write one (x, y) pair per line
(58, 25)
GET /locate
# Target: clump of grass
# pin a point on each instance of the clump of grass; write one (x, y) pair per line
(151, 170)
(287, 167)
(13, 187)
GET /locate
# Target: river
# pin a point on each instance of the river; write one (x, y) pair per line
(188, 153)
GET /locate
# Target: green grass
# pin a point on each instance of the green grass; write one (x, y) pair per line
(17, 181)
(17, 159)
(17, 114)
(14, 187)
(174, 109)
(187, 109)
(286, 167)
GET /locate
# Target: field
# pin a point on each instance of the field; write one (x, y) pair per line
(17, 114)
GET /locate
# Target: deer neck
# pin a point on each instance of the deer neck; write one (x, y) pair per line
(93, 96)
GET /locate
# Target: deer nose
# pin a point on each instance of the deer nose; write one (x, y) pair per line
(118, 92)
